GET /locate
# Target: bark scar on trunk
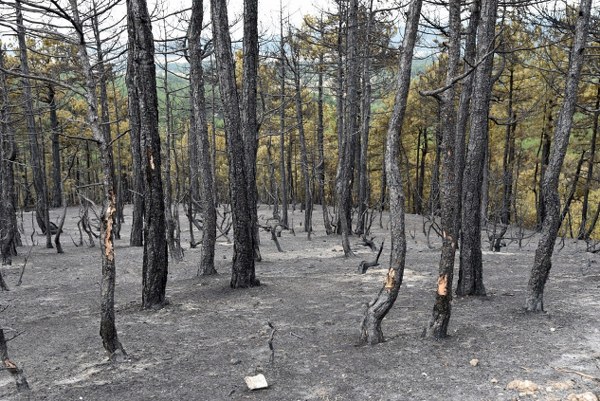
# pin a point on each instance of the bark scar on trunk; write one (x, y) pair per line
(108, 245)
(443, 285)
(389, 279)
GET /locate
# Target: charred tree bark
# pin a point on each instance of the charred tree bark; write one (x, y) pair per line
(248, 105)
(243, 271)
(8, 153)
(363, 174)
(442, 308)
(545, 159)
(551, 224)
(508, 161)
(308, 198)
(422, 149)
(462, 117)
(172, 226)
(155, 261)
(351, 132)
(282, 170)
(56, 175)
(108, 330)
(320, 169)
(470, 279)
(370, 329)
(137, 223)
(200, 131)
(37, 167)
(590, 170)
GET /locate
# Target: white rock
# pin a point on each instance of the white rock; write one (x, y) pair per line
(256, 382)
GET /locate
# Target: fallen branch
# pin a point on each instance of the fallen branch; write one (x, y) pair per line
(271, 347)
(584, 375)
(24, 264)
(364, 265)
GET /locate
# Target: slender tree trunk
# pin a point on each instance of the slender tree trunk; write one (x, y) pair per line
(590, 170)
(321, 165)
(442, 308)
(243, 272)
(172, 225)
(346, 166)
(543, 256)
(38, 168)
(108, 330)
(9, 233)
(470, 279)
(155, 261)
(370, 329)
(363, 165)
(56, 176)
(282, 172)
(340, 114)
(462, 118)
(248, 104)
(200, 131)
(137, 223)
(545, 160)
(308, 203)
(507, 166)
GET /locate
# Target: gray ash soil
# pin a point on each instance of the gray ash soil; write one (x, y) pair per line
(203, 344)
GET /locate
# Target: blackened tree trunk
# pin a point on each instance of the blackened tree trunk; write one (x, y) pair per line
(351, 132)
(108, 330)
(363, 164)
(590, 170)
(155, 261)
(370, 329)
(545, 159)
(442, 308)
(172, 227)
(508, 161)
(38, 168)
(320, 168)
(470, 279)
(200, 131)
(339, 112)
(282, 170)
(137, 191)
(56, 175)
(8, 154)
(422, 150)
(248, 112)
(308, 202)
(551, 224)
(243, 272)
(464, 104)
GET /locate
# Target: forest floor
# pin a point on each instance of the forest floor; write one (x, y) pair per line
(203, 344)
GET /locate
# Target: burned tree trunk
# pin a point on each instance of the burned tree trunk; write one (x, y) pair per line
(590, 170)
(243, 272)
(8, 153)
(282, 172)
(108, 330)
(346, 166)
(308, 202)
(442, 308)
(155, 261)
(249, 123)
(37, 167)
(320, 168)
(137, 224)
(370, 329)
(470, 280)
(464, 104)
(551, 224)
(200, 131)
